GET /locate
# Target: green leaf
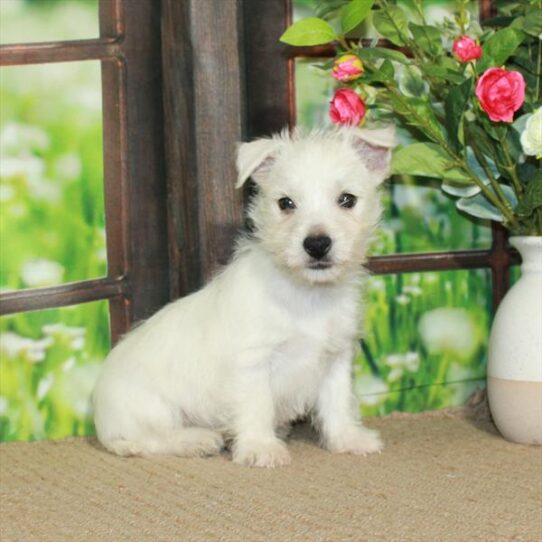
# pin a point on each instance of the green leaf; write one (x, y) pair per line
(378, 53)
(532, 198)
(391, 23)
(411, 82)
(460, 191)
(455, 105)
(419, 113)
(311, 31)
(499, 47)
(354, 13)
(441, 72)
(532, 24)
(477, 169)
(425, 160)
(428, 38)
(479, 207)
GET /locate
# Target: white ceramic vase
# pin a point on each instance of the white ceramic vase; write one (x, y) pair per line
(514, 370)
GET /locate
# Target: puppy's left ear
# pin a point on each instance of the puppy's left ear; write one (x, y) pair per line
(254, 158)
(374, 148)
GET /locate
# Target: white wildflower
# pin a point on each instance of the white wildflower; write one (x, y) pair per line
(75, 336)
(4, 405)
(448, 330)
(40, 273)
(13, 346)
(7, 193)
(371, 390)
(402, 299)
(68, 167)
(377, 284)
(76, 385)
(394, 360)
(414, 291)
(531, 137)
(15, 137)
(412, 361)
(44, 386)
(26, 166)
(395, 374)
(68, 364)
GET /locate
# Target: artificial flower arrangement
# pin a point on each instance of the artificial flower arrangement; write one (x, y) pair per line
(468, 94)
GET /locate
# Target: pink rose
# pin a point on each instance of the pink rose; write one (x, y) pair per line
(347, 68)
(346, 107)
(501, 93)
(466, 49)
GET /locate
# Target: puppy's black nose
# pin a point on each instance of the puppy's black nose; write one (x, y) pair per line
(317, 246)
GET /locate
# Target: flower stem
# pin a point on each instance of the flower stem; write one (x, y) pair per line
(510, 167)
(487, 170)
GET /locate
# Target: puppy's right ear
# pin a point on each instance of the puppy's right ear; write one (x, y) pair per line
(255, 157)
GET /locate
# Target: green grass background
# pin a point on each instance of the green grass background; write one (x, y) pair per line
(425, 333)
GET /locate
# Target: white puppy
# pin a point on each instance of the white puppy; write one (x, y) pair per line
(272, 337)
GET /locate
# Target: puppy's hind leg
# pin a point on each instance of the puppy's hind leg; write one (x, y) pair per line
(186, 442)
(146, 425)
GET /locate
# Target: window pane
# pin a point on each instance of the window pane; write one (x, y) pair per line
(49, 362)
(51, 175)
(426, 338)
(27, 21)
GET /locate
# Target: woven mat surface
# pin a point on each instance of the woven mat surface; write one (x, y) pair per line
(442, 477)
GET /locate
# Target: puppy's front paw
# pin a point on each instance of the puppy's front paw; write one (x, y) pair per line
(358, 441)
(253, 453)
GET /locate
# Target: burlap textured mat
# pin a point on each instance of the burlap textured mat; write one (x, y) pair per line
(442, 477)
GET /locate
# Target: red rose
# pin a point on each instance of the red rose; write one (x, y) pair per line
(501, 93)
(466, 49)
(346, 107)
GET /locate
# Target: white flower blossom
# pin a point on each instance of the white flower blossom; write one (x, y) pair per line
(7, 193)
(395, 374)
(68, 167)
(75, 336)
(76, 385)
(44, 386)
(448, 330)
(26, 166)
(40, 273)
(15, 137)
(399, 363)
(414, 291)
(371, 390)
(531, 137)
(13, 346)
(402, 299)
(4, 405)
(412, 361)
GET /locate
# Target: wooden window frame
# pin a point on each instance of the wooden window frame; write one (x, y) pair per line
(137, 281)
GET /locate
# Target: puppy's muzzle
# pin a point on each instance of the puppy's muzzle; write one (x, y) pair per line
(317, 246)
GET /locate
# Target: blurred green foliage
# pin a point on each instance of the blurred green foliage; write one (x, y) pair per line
(52, 226)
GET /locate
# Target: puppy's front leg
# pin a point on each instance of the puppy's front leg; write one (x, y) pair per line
(337, 413)
(256, 444)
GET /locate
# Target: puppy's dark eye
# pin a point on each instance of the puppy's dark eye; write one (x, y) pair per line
(286, 204)
(347, 200)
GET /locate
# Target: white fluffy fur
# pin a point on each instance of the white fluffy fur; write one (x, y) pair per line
(271, 338)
